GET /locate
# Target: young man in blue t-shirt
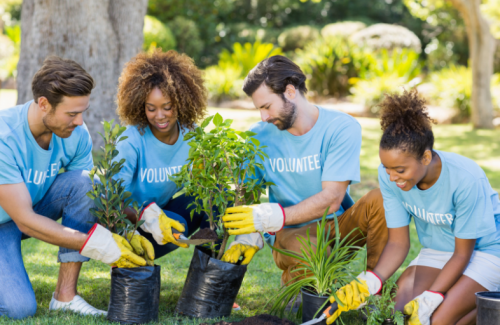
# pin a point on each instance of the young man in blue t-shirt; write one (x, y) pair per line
(313, 158)
(37, 139)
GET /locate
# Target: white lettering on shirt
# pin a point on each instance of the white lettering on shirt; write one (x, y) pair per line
(158, 175)
(295, 165)
(429, 217)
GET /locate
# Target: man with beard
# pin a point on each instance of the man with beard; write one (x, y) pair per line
(313, 158)
(37, 139)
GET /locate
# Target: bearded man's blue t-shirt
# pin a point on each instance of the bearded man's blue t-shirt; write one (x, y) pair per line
(298, 165)
(460, 204)
(23, 160)
(149, 165)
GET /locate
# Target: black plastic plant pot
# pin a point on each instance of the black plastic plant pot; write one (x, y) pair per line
(488, 308)
(211, 286)
(312, 306)
(388, 321)
(135, 295)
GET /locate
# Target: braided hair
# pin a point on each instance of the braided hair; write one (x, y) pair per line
(406, 124)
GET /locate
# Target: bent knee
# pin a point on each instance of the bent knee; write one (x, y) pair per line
(19, 308)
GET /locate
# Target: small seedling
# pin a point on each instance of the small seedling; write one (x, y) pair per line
(108, 193)
(218, 172)
(381, 308)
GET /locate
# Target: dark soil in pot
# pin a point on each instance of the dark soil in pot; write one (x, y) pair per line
(211, 286)
(135, 295)
(264, 319)
(205, 233)
(311, 304)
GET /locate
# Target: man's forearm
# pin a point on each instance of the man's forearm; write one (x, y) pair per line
(49, 231)
(313, 208)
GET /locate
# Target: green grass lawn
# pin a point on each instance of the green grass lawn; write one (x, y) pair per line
(263, 278)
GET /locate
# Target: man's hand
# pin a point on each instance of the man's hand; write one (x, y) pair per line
(265, 217)
(354, 295)
(142, 247)
(243, 246)
(421, 308)
(111, 249)
(160, 226)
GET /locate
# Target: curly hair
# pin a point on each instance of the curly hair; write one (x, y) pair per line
(174, 74)
(406, 124)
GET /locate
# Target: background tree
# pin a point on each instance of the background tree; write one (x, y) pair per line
(101, 35)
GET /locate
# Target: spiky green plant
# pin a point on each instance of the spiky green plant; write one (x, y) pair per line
(323, 266)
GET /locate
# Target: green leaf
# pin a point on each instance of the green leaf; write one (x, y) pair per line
(217, 119)
(207, 121)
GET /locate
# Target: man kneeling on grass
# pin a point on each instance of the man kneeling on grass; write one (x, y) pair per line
(37, 139)
(313, 157)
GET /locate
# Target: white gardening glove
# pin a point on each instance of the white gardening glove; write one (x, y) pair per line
(160, 226)
(265, 217)
(109, 248)
(421, 308)
(243, 245)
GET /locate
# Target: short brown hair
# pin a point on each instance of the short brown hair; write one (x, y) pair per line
(277, 72)
(60, 77)
(174, 74)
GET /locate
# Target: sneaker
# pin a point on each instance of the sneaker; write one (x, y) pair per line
(77, 305)
(236, 307)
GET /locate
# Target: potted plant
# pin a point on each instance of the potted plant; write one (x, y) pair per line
(322, 269)
(380, 308)
(218, 174)
(135, 292)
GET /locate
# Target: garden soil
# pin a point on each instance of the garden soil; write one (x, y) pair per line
(264, 319)
(205, 233)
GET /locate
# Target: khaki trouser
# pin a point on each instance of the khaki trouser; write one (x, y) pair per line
(367, 215)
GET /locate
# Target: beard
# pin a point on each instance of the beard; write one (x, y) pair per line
(287, 116)
(61, 132)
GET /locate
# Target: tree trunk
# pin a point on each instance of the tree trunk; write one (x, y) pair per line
(101, 35)
(481, 48)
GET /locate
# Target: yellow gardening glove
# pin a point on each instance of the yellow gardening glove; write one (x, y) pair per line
(109, 248)
(160, 226)
(265, 217)
(354, 295)
(421, 308)
(233, 254)
(142, 247)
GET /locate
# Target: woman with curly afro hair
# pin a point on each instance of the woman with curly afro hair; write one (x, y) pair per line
(160, 96)
(456, 213)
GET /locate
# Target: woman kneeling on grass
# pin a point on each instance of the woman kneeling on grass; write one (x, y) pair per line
(456, 213)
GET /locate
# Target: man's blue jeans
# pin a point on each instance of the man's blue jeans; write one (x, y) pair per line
(65, 199)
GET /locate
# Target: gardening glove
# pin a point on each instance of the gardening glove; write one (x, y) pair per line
(265, 217)
(421, 308)
(245, 246)
(109, 248)
(142, 247)
(354, 295)
(160, 226)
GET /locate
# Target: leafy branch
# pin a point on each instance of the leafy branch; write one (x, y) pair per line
(109, 193)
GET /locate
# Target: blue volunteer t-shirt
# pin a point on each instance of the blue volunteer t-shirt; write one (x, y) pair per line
(149, 163)
(298, 164)
(460, 204)
(23, 160)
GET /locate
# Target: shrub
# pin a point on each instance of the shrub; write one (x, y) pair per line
(389, 72)
(247, 56)
(224, 83)
(297, 37)
(331, 66)
(9, 51)
(380, 36)
(187, 36)
(341, 29)
(452, 87)
(156, 35)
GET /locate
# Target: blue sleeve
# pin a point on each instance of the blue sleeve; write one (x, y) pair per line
(127, 151)
(83, 158)
(396, 215)
(473, 209)
(342, 157)
(9, 170)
